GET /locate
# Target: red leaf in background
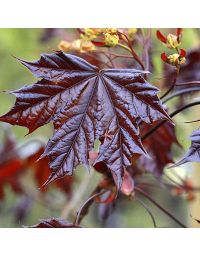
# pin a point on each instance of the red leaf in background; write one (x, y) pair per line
(159, 147)
(42, 172)
(54, 223)
(85, 104)
(10, 165)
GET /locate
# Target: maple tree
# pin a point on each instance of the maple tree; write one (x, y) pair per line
(89, 99)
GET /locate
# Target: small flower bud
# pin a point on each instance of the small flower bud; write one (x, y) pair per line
(172, 41)
(64, 46)
(175, 59)
(111, 39)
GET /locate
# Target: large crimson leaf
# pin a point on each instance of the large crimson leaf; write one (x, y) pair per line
(84, 104)
(193, 153)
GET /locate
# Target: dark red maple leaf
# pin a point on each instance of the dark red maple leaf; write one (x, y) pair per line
(54, 223)
(159, 146)
(85, 104)
(193, 153)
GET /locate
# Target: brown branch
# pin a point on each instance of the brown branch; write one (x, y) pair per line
(152, 130)
(134, 54)
(188, 83)
(173, 83)
(160, 207)
(85, 207)
(148, 210)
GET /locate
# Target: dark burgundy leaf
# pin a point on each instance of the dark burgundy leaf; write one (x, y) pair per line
(85, 104)
(193, 153)
(159, 146)
(54, 223)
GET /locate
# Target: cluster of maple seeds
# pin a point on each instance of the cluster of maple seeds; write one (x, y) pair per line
(90, 38)
(173, 42)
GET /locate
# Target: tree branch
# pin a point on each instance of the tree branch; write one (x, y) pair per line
(160, 207)
(152, 130)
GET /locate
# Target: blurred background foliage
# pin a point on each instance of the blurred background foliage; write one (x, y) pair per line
(26, 209)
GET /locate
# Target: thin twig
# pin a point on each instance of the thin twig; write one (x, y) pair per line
(173, 181)
(148, 210)
(131, 50)
(160, 207)
(180, 92)
(173, 83)
(85, 207)
(152, 130)
(188, 83)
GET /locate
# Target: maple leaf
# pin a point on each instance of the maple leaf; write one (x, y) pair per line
(54, 223)
(193, 153)
(85, 104)
(158, 145)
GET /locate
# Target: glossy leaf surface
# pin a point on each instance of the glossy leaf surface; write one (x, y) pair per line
(85, 104)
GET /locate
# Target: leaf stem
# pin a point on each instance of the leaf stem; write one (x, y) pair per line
(188, 83)
(173, 83)
(160, 207)
(148, 210)
(152, 130)
(131, 50)
(181, 92)
(84, 208)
